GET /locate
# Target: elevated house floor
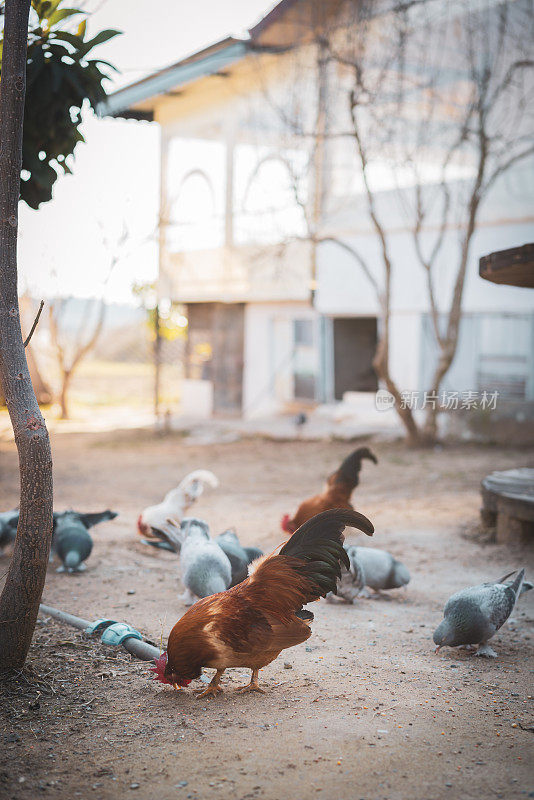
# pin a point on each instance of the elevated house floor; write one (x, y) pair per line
(266, 358)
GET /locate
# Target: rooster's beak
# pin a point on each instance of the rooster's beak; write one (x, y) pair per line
(438, 648)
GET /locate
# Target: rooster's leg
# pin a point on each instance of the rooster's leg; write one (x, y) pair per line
(253, 686)
(213, 687)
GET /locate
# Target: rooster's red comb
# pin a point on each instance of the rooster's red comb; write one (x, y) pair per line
(285, 524)
(159, 669)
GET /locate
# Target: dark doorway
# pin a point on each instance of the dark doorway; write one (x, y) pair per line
(214, 351)
(354, 349)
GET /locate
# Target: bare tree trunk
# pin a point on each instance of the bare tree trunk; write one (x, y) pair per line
(381, 367)
(430, 428)
(448, 347)
(381, 358)
(64, 393)
(67, 368)
(19, 602)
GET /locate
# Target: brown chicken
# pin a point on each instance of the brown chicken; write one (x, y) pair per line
(339, 487)
(251, 623)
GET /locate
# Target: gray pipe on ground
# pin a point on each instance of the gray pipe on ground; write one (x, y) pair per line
(137, 648)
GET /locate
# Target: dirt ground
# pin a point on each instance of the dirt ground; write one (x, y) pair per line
(363, 709)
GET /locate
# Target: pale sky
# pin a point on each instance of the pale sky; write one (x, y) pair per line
(62, 247)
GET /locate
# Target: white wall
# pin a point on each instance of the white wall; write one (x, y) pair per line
(405, 350)
(344, 289)
(505, 220)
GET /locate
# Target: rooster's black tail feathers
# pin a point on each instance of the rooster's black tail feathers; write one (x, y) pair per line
(319, 543)
(349, 470)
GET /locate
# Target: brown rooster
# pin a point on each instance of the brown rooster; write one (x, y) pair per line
(339, 487)
(250, 624)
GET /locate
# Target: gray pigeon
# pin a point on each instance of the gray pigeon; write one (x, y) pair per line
(250, 554)
(205, 567)
(473, 615)
(71, 540)
(203, 564)
(381, 570)
(352, 581)
(229, 544)
(159, 545)
(8, 527)
(253, 553)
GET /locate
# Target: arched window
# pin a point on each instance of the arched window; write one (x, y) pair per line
(192, 219)
(195, 191)
(270, 193)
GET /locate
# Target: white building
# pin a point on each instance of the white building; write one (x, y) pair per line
(274, 317)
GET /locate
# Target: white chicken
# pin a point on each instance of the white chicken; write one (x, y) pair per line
(175, 503)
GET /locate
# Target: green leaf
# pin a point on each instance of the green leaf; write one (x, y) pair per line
(56, 75)
(71, 38)
(72, 78)
(41, 8)
(105, 63)
(60, 79)
(34, 66)
(51, 7)
(45, 8)
(66, 169)
(82, 47)
(102, 37)
(61, 14)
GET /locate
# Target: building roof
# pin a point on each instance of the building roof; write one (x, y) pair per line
(274, 16)
(290, 21)
(293, 22)
(209, 61)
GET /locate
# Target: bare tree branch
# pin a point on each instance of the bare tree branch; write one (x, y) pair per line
(35, 323)
(505, 166)
(357, 257)
(85, 342)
